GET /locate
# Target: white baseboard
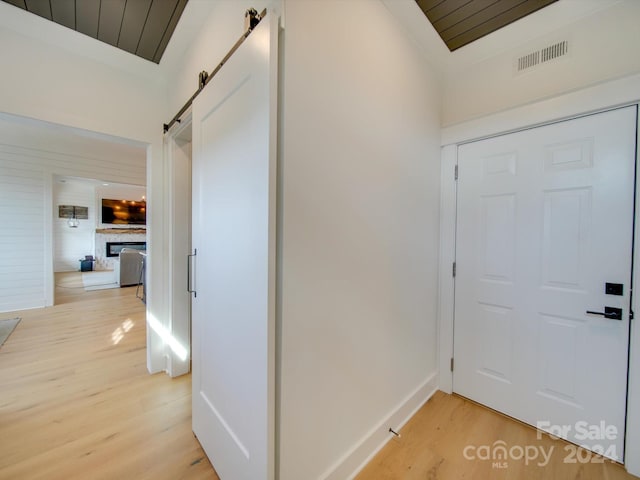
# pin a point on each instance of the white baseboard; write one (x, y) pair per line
(366, 448)
(25, 305)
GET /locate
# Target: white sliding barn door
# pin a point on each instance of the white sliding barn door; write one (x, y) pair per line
(544, 222)
(233, 273)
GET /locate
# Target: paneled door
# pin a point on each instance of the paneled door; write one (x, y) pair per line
(233, 269)
(542, 289)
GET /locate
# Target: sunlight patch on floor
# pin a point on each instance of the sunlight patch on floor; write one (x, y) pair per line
(119, 333)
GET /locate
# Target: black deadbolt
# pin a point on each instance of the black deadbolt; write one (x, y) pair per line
(613, 289)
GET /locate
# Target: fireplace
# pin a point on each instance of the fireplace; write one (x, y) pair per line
(113, 248)
(110, 241)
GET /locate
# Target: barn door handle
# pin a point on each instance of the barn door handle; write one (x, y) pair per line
(189, 289)
(609, 312)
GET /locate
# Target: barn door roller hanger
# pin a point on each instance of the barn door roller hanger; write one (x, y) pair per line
(251, 19)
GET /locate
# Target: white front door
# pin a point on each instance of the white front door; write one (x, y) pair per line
(234, 269)
(544, 223)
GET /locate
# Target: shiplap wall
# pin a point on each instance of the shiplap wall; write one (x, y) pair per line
(22, 215)
(30, 156)
(72, 244)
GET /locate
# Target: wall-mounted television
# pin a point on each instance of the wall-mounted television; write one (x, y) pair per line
(124, 212)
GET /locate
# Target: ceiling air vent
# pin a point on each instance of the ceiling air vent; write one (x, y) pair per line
(554, 51)
(541, 56)
(528, 61)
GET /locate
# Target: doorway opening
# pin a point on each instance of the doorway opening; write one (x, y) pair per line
(178, 150)
(87, 246)
(37, 153)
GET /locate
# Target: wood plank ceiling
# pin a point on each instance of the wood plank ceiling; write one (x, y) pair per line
(141, 27)
(460, 22)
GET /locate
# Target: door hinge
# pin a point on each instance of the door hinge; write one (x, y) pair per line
(454, 269)
(455, 174)
(452, 364)
(631, 314)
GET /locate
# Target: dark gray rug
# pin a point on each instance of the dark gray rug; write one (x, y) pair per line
(6, 327)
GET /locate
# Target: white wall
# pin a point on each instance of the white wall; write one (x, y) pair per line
(22, 240)
(72, 244)
(359, 179)
(68, 83)
(603, 46)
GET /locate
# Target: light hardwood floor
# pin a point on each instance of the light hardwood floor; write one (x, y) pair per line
(76, 402)
(432, 446)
